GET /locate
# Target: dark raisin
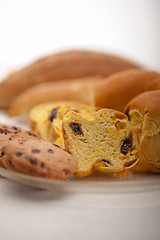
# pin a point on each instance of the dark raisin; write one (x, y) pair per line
(31, 134)
(2, 153)
(53, 114)
(106, 161)
(127, 113)
(50, 150)
(56, 145)
(32, 160)
(18, 154)
(14, 128)
(130, 163)
(42, 165)
(76, 111)
(127, 144)
(1, 131)
(35, 151)
(76, 128)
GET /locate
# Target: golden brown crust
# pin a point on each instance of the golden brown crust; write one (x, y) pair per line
(121, 87)
(80, 90)
(144, 114)
(65, 65)
(146, 103)
(112, 92)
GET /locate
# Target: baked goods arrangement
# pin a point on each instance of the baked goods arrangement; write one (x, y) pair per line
(87, 112)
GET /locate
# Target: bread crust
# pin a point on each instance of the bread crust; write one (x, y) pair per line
(121, 87)
(80, 90)
(114, 91)
(144, 114)
(65, 65)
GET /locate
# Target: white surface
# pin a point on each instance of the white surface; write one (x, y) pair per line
(32, 28)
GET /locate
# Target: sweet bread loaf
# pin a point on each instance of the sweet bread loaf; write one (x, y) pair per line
(46, 119)
(103, 144)
(65, 65)
(144, 115)
(113, 92)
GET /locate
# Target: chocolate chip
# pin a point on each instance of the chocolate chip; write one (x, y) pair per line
(6, 131)
(14, 128)
(18, 154)
(127, 113)
(76, 128)
(32, 160)
(50, 151)
(127, 144)
(106, 161)
(2, 153)
(53, 114)
(130, 163)
(35, 151)
(42, 165)
(31, 134)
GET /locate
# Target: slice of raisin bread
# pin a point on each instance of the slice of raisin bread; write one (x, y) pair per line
(46, 119)
(103, 144)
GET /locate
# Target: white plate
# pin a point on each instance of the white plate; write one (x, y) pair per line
(96, 183)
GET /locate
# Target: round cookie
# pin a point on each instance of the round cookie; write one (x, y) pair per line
(8, 133)
(144, 114)
(39, 158)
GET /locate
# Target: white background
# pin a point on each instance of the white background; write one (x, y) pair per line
(32, 28)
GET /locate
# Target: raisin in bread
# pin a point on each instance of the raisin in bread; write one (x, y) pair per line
(46, 119)
(103, 144)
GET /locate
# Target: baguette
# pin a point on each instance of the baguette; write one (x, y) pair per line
(65, 65)
(114, 91)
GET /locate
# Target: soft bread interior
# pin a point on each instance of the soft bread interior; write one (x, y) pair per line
(99, 143)
(46, 119)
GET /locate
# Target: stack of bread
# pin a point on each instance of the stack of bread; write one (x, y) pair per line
(101, 109)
